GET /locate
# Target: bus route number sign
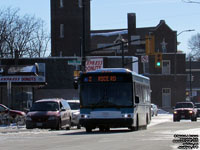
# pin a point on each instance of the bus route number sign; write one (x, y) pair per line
(107, 78)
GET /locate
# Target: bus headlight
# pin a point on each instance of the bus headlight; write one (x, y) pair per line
(85, 116)
(126, 115)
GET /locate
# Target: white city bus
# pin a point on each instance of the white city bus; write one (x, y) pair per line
(114, 98)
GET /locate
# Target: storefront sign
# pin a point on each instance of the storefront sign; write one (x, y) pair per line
(22, 78)
(93, 64)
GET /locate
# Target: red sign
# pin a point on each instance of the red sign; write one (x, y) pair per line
(93, 64)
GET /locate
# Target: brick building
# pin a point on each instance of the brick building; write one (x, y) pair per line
(67, 27)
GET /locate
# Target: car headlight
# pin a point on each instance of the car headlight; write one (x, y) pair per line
(28, 118)
(175, 112)
(52, 118)
(190, 112)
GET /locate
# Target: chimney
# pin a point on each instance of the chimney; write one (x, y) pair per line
(131, 24)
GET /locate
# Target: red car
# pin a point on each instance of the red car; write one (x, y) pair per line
(185, 110)
(14, 115)
(49, 113)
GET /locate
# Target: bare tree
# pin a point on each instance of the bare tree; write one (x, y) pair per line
(194, 46)
(191, 1)
(25, 35)
(40, 42)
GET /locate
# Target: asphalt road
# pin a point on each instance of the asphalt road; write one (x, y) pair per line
(158, 136)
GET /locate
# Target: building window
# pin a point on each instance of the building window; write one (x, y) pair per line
(61, 30)
(61, 4)
(166, 97)
(166, 67)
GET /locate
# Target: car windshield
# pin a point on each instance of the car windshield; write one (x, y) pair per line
(106, 95)
(74, 105)
(184, 105)
(198, 105)
(45, 106)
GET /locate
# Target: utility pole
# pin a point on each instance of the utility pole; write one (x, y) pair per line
(83, 39)
(122, 48)
(190, 79)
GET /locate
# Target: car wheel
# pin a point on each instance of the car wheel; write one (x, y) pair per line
(69, 125)
(195, 119)
(58, 125)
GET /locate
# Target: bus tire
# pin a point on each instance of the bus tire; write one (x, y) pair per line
(88, 129)
(107, 129)
(137, 124)
(131, 128)
(145, 127)
(101, 129)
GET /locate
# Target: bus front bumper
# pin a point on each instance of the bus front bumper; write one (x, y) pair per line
(115, 123)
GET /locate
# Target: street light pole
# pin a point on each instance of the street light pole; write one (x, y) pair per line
(185, 31)
(175, 59)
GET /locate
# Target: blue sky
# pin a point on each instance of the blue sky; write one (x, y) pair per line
(112, 14)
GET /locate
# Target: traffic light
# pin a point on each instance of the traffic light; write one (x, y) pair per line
(158, 60)
(149, 44)
(76, 82)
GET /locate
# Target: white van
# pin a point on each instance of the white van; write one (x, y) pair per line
(75, 112)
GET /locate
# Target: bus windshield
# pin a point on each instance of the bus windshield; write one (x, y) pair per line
(106, 95)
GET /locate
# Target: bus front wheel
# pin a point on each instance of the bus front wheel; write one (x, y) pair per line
(88, 129)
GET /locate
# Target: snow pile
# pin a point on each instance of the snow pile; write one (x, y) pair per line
(161, 111)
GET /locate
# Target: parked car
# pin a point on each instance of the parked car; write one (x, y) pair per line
(198, 109)
(12, 116)
(185, 110)
(49, 113)
(75, 108)
(154, 110)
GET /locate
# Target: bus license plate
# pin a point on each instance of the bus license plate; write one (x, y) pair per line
(39, 124)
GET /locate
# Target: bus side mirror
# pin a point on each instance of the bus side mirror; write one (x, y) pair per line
(137, 99)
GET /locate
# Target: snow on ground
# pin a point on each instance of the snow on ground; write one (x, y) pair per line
(163, 116)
